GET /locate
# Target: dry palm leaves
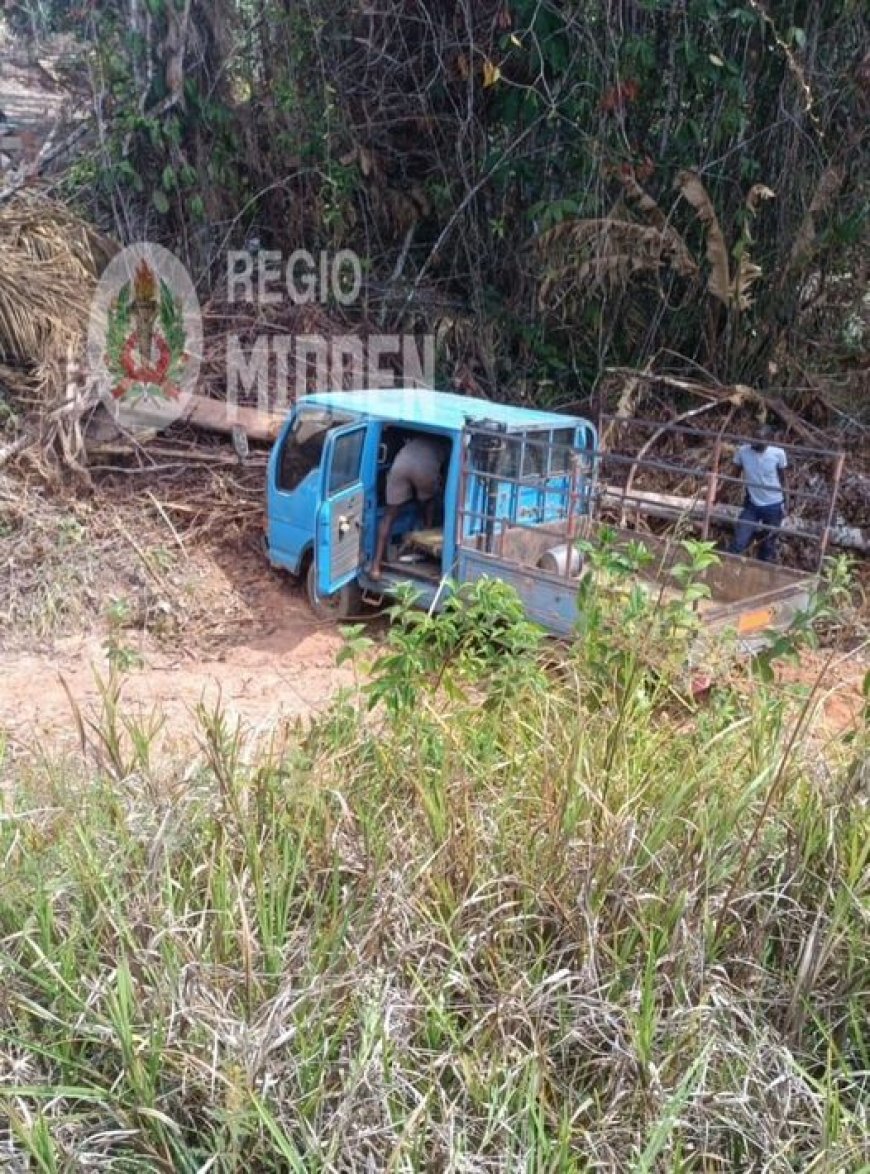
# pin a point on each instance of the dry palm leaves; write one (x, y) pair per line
(731, 291)
(584, 256)
(827, 190)
(50, 260)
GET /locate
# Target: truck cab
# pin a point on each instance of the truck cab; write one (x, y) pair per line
(327, 478)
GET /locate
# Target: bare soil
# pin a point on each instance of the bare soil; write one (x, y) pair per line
(109, 585)
(276, 667)
(177, 601)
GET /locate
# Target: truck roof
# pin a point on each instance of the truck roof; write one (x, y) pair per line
(438, 409)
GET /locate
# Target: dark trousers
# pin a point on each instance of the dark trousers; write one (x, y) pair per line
(751, 517)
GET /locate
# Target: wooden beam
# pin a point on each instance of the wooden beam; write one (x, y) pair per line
(663, 505)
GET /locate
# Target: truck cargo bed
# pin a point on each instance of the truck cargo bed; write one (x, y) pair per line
(755, 599)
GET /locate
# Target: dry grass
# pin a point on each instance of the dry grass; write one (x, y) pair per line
(147, 542)
(518, 922)
(50, 260)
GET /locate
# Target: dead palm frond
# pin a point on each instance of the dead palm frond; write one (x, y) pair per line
(50, 261)
(827, 190)
(682, 260)
(692, 189)
(733, 291)
(585, 256)
(747, 272)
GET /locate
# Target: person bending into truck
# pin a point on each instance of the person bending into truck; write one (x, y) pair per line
(764, 478)
(414, 474)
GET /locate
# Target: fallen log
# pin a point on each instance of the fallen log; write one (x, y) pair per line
(671, 507)
(108, 436)
(214, 415)
(183, 456)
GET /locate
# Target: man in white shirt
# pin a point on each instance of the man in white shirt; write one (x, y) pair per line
(764, 477)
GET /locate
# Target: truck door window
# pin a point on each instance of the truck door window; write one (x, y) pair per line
(508, 461)
(303, 447)
(346, 460)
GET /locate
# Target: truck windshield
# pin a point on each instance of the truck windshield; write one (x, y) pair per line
(303, 446)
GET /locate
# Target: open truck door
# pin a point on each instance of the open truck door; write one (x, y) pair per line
(339, 555)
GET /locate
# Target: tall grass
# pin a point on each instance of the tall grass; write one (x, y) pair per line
(516, 917)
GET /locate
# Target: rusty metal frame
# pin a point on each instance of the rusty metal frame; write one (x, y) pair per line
(715, 477)
(629, 421)
(580, 488)
(567, 525)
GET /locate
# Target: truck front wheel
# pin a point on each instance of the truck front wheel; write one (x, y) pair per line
(335, 608)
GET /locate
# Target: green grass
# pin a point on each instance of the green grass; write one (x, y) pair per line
(515, 917)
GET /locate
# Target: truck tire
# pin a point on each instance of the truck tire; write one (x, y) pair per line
(335, 608)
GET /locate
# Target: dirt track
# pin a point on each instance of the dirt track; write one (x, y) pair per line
(249, 642)
(275, 672)
(208, 621)
(287, 673)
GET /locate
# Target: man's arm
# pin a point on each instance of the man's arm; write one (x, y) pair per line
(782, 463)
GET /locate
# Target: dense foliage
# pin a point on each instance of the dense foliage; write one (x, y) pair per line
(558, 186)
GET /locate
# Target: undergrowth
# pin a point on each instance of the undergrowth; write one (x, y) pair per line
(501, 908)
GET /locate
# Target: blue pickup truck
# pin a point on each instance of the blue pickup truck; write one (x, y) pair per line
(519, 490)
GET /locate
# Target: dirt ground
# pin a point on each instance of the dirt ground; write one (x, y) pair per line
(105, 585)
(278, 665)
(275, 666)
(271, 662)
(179, 602)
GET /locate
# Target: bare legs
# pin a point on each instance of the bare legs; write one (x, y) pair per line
(390, 515)
(387, 521)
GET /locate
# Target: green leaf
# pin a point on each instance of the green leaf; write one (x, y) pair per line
(663, 1128)
(171, 319)
(282, 1141)
(160, 202)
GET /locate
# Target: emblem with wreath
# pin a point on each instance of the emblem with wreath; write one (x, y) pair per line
(145, 340)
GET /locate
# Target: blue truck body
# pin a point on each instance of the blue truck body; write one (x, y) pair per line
(327, 474)
(519, 490)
